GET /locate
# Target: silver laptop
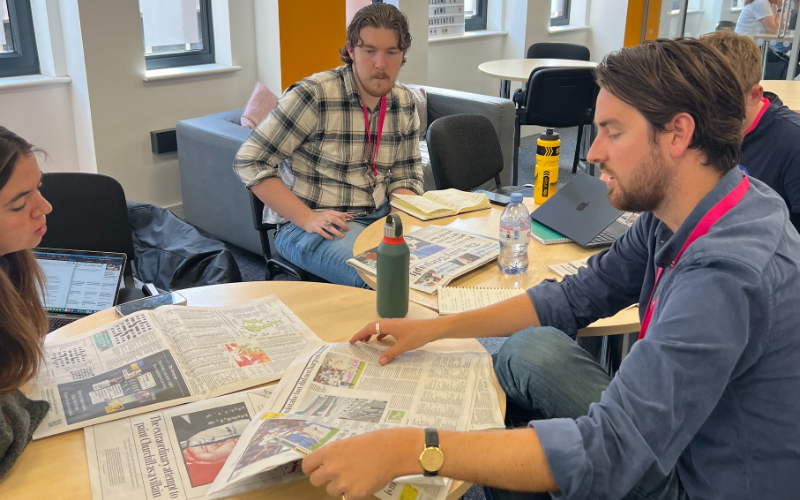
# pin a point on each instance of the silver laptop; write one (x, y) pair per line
(78, 282)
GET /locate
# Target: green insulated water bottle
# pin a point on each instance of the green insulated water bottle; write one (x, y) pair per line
(393, 260)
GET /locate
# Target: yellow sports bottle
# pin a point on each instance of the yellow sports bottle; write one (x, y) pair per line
(545, 178)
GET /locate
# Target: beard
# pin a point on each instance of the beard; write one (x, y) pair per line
(375, 88)
(646, 188)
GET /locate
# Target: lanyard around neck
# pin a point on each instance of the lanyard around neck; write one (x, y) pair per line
(716, 213)
(369, 136)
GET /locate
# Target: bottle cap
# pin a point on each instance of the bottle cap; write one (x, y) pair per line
(516, 197)
(549, 135)
(393, 227)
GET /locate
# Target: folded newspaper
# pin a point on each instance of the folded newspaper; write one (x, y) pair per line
(438, 256)
(334, 391)
(152, 360)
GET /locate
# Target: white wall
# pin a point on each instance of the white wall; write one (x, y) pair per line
(453, 64)
(124, 108)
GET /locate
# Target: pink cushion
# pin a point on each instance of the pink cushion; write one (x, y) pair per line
(258, 107)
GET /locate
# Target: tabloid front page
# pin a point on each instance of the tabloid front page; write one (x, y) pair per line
(333, 391)
(438, 256)
(156, 359)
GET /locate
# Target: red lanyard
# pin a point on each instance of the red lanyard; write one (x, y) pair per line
(380, 130)
(716, 213)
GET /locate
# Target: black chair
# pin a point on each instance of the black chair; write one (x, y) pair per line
(726, 26)
(555, 50)
(554, 98)
(276, 264)
(465, 153)
(90, 213)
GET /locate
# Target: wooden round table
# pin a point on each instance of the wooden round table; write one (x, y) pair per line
(56, 467)
(519, 70)
(788, 91)
(487, 222)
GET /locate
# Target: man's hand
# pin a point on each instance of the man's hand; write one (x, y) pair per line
(409, 333)
(359, 466)
(325, 224)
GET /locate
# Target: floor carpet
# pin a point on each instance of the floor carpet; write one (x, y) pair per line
(253, 267)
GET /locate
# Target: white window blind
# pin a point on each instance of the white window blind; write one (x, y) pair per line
(169, 22)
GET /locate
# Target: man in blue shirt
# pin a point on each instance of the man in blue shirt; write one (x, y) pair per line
(771, 145)
(707, 402)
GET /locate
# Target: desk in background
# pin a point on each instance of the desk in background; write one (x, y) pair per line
(56, 467)
(788, 91)
(487, 223)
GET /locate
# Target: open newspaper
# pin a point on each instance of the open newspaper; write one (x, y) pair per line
(334, 391)
(156, 359)
(176, 453)
(438, 204)
(438, 256)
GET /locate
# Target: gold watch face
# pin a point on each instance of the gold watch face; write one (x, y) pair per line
(431, 459)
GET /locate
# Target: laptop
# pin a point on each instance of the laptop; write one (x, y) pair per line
(581, 212)
(78, 282)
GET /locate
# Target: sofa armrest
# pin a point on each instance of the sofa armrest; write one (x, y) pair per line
(445, 102)
(214, 199)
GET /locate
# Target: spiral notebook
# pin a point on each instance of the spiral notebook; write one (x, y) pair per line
(453, 300)
(545, 235)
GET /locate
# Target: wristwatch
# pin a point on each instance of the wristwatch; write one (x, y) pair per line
(431, 459)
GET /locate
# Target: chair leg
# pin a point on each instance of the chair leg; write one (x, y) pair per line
(577, 150)
(515, 165)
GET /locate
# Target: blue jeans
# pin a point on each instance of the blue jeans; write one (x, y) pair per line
(546, 375)
(326, 259)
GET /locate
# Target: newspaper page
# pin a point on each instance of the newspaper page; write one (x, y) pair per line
(156, 359)
(334, 391)
(438, 256)
(176, 453)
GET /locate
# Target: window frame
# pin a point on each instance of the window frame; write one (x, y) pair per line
(478, 20)
(562, 20)
(193, 58)
(24, 60)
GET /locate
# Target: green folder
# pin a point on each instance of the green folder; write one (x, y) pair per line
(545, 235)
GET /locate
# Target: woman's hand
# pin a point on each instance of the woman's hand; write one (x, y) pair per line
(409, 333)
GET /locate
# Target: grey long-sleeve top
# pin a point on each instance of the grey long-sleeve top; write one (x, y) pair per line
(714, 387)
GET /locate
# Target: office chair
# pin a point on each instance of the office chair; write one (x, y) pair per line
(90, 213)
(554, 98)
(278, 263)
(555, 50)
(726, 26)
(465, 153)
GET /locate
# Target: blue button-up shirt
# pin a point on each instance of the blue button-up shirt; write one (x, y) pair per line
(714, 387)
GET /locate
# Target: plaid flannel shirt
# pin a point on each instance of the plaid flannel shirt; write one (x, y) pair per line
(318, 129)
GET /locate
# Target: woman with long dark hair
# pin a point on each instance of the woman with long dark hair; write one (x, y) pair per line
(23, 323)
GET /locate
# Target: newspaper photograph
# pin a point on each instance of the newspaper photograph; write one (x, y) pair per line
(152, 360)
(176, 453)
(438, 256)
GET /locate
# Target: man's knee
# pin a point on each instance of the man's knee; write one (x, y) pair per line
(529, 353)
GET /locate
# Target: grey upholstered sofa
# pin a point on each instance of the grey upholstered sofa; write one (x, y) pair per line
(215, 200)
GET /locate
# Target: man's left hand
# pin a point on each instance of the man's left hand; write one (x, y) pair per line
(359, 466)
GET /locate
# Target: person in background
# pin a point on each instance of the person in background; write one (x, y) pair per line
(349, 136)
(758, 17)
(23, 323)
(771, 145)
(706, 403)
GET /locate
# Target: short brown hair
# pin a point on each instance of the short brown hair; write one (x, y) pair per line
(23, 323)
(742, 53)
(377, 15)
(661, 78)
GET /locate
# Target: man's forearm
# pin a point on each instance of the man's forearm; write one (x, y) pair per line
(498, 320)
(512, 459)
(274, 193)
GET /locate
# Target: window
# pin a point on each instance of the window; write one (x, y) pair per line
(559, 12)
(475, 15)
(18, 54)
(737, 4)
(693, 5)
(177, 33)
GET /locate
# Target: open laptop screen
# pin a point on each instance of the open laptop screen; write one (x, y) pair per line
(79, 282)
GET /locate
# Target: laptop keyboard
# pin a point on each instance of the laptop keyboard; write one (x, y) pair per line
(604, 238)
(56, 323)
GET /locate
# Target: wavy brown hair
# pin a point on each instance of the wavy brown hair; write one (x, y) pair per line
(662, 78)
(377, 15)
(23, 323)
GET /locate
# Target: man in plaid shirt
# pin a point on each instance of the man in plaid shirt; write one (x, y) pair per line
(342, 167)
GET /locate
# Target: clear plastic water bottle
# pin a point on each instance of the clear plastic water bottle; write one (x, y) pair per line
(515, 229)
